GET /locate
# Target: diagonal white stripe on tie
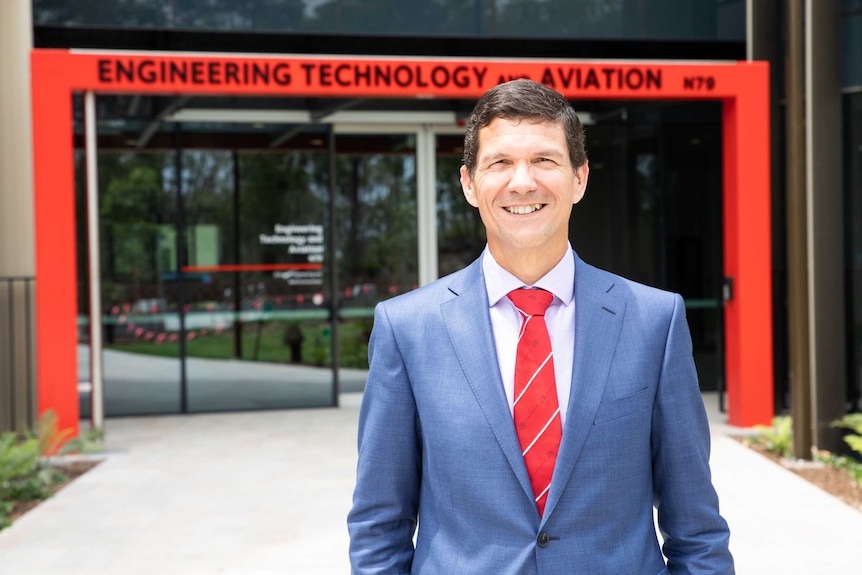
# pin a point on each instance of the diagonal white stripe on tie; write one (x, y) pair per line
(533, 378)
(545, 490)
(535, 439)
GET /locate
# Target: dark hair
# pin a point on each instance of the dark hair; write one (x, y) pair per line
(524, 100)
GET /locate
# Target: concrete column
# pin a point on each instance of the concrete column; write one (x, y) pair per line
(17, 365)
(825, 198)
(16, 144)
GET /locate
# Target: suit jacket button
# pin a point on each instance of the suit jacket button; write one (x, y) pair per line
(543, 539)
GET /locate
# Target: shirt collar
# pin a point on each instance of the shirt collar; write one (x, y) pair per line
(560, 281)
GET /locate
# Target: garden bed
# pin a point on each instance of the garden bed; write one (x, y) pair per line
(70, 469)
(834, 481)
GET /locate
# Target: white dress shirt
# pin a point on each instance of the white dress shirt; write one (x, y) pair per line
(560, 319)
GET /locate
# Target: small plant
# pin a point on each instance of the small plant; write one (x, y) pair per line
(48, 438)
(778, 438)
(91, 441)
(5, 512)
(24, 476)
(852, 421)
(19, 464)
(853, 467)
(32, 487)
(19, 458)
(320, 352)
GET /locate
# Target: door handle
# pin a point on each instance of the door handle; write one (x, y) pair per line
(727, 289)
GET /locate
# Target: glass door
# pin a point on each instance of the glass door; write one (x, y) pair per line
(257, 323)
(216, 270)
(242, 260)
(460, 232)
(140, 295)
(260, 330)
(377, 245)
(653, 209)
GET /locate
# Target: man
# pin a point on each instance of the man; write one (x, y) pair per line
(532, 441)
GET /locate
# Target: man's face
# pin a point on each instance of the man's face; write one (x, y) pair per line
(524, 186)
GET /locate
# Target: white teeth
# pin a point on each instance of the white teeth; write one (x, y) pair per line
(521, 210)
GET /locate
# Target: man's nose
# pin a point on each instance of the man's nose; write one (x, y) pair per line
(522, 178)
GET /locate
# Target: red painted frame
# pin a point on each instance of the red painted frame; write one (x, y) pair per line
(742, 87)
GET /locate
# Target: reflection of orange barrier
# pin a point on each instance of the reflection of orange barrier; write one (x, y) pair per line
(251, 268)
(742, 87)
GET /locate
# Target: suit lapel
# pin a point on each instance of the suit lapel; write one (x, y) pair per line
(598, 321)
(468, 323)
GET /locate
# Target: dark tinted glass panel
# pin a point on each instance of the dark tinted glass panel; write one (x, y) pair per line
(140, 296)
(216, 285)
(851, 50)
(652, 211)
(377, 243)
(256, 314)
(460, 233)
(649, 19)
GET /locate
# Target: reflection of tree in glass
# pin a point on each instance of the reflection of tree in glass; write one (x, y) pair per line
(96, 13)
(132, 204)
(376, 218)
(208, 199)
(559, 18)
(460, 234)
(283, 15)
(279, 188)
(280, 15)
(432, 17)
(437, 17)
(508, 18)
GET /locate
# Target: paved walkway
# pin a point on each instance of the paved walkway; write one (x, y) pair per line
(262, 493)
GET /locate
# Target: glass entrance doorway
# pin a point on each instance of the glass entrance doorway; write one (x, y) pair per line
(249, 281)
(256, 325)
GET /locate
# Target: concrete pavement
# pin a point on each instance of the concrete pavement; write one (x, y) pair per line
(260, 493)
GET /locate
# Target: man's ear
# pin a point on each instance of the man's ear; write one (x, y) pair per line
(581, 176)
(467, 187)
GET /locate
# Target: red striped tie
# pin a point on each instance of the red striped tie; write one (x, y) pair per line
(537, 411)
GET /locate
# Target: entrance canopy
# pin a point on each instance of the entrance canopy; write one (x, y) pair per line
(742, 87)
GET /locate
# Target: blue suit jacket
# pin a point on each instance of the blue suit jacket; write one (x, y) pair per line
(438, 448)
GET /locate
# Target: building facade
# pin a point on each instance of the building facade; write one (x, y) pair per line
(243, 240)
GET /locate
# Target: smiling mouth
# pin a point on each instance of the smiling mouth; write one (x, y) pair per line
(523, 210)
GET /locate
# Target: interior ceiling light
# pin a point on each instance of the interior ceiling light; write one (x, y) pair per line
(248, 116)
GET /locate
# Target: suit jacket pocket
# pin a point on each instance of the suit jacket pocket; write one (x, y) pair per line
(619, 408)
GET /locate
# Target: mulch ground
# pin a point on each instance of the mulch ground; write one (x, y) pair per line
(836, 482)
(72, 470)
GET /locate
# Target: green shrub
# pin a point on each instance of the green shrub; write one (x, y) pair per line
(778, 438)
(31, 487)
(853, 467)
(19, 457)
(24, 476)
(19, 465)
(90, 441)
(852, 421)
(5, 512)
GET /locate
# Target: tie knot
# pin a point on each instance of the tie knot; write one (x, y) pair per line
(531, 301)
